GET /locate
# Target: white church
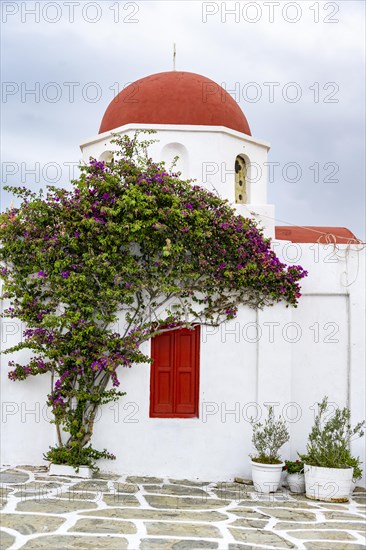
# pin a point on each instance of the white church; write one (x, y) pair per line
(288, 357)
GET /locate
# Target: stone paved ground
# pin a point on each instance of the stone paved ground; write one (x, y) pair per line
(146, 513)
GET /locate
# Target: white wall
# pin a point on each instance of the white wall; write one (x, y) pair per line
(290, 357)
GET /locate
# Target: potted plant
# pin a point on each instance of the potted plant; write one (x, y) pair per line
(267, 439)
(329, 466)
(75, 461)
(295, 475)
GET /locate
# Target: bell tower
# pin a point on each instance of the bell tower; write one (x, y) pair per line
(199, 122)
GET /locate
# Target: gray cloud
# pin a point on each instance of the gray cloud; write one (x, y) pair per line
(325, 60)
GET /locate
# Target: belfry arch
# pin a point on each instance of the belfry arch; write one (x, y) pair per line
(241, 187)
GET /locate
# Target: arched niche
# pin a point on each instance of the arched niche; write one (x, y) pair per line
(172, 150)
(241, 180)
(106, 156)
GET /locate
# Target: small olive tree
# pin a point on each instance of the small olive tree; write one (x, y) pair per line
(131, 242)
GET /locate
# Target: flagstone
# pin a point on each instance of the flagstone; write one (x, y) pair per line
(314, 545)
(139, 513)
(294, 515)
(80, 495)
(327, 506)
(60, 479)
(144, 479)
(267, 500)
(285, 526)
(176, 544)
(27, 524)
(325, 535)
(174, 490)
(74, 542)
(290, 504)
(4, 492)
(13, 476)
(249, 513)
(202, 484)
(260, 537)
(243, 480)
(107, 476)
(229, 486)
(6, 540)
(343, 516)
(91, 485)
(126, 487)
(33, 485)
(182, 529)
(181, 502)
(104, 526)
(234, 491)
(247, 522)
(120, 499)
(54, 506)
(34, 469)
(35, 488)
(359, 500)
(236, 496)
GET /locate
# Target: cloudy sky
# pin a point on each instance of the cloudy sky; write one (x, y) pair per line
(296, 68)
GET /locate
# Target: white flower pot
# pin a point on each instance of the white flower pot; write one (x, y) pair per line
(296, 483)
(65, 470)
(328, 484)
(266, 477)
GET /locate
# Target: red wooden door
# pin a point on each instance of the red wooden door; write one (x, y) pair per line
(175, 374)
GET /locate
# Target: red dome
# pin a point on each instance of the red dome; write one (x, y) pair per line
(174, 98)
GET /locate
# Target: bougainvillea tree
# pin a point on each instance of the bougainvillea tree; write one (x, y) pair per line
(129, 252)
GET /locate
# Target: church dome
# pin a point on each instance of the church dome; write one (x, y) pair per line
(174, 97)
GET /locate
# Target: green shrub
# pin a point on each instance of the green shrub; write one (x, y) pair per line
(268, 438)
(76, 456)
(294, 466)
(329, 440)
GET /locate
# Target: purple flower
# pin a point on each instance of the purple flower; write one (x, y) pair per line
(231, 312)
(41, 274)
(65, 274)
